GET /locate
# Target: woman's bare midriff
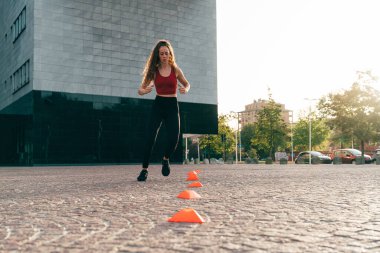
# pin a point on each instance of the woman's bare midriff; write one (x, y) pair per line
(168, 95)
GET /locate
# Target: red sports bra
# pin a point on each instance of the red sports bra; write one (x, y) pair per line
(166, 85)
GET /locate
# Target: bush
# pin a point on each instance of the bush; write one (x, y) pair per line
(269, 160)
(249, 160)
(283, 161)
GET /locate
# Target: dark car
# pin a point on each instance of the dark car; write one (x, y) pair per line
(349, 155)
(316, 157)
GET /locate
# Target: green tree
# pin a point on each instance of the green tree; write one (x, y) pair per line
(354, 113)
(215, 145)
(270, 130)
(319, 132)
(247, 134)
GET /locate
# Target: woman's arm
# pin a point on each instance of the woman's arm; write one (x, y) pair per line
(145, 88)
(182, 79)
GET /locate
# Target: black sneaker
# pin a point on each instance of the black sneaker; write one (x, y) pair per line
(165, 168)
(143, 175)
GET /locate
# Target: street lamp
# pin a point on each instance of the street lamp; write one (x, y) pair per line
(236, 136)
(239, 136)
(310, 99)
(291, 135)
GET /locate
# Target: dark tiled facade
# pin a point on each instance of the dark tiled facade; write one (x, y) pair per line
(64, 128)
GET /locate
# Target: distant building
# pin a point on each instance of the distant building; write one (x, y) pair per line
(249, 115)
(70, 70)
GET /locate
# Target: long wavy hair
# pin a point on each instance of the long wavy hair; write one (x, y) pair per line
(153, 61)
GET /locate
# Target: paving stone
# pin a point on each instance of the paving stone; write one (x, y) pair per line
(247, 208)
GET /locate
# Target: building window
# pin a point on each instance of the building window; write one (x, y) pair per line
(19, 25)
(20, 77)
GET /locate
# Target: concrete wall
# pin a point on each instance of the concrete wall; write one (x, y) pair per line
(100, 46)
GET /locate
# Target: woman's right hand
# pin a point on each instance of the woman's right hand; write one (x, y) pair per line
(143, 91)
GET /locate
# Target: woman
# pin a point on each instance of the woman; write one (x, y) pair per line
(162, 72)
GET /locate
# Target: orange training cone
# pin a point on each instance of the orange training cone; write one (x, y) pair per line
(187, 215)
(192, 172)
(192, 176)
(197, 171)
(188, 194)
(195, 184)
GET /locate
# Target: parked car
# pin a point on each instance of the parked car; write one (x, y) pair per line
(304, 157)
(377, 153)
(349, 155)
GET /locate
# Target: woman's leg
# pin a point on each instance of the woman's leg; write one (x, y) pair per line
(172, 123)
(151, 134)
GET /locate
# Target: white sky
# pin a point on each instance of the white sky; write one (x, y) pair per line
(298, 48)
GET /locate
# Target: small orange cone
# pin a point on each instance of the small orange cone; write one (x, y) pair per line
(188, 194)
(197, 171)
(195, 184)
(192, 172)
(187, 215)
(192, 176)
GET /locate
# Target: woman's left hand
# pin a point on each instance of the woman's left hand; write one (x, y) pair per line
(183, 90)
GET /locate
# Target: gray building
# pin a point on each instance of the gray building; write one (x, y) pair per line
(70, 70)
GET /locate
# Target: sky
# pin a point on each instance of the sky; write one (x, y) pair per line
(296, 48)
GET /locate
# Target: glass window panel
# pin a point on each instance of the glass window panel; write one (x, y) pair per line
(27, 72)
(23, 75)
(16, 28)
(13, 33)
(18, 78)
(19, 24)
(23, 18)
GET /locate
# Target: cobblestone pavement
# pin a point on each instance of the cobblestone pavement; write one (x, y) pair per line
(247, 208)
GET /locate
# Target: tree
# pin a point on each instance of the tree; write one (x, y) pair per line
(215, 145)
(247, 133)
(354, 113)
(319, 132)
(270, 130)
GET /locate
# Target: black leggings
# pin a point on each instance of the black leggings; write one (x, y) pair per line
(164, 109)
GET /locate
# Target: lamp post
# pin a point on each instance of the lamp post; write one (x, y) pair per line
(310, 99)
(236, 147)
(291, 135)
(239, 136)
(238, 143)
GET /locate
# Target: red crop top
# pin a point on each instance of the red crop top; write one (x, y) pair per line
(166, 85)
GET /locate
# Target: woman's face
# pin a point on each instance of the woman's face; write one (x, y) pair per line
(164, 54)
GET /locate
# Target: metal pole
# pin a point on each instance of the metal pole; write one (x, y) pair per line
(310, 99)
(310, 133)
(186, 148)
(291, 137)
(236, 147)
(199, 158)
(239, 136)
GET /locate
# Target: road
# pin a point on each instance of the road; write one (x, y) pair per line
(247, 208)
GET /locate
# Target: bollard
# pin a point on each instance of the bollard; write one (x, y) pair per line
(359, 160)
(315, 160)
(230, 161)
(337, 161)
